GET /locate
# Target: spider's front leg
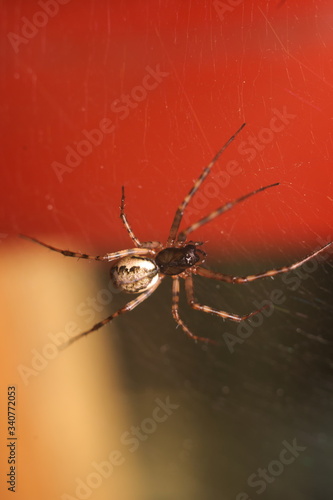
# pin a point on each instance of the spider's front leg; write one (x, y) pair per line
(246, 279)
(180, 210)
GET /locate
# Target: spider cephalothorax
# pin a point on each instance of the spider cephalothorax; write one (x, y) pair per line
(172, 261)
(141, 269)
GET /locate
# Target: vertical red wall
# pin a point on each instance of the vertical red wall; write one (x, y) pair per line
(166, 84)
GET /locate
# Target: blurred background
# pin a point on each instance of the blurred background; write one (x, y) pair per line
(100, 94)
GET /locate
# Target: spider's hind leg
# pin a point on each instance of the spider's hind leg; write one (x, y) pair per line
(109, 257)
(201, 271)
(128, 307)
(66, 253)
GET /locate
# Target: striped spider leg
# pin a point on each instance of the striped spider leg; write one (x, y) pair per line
(180, 210)
(125, 221)
(127, 307)
(195, 305)
(146, 244)
(146, 248)
(219, 211)
(234, 279)
(175, 313)
(200, 271)
(247, 279)
(109, 257)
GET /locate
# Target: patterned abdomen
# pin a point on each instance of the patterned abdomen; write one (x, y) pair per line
(134, 274)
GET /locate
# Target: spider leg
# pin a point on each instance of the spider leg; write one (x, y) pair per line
(105, 258)
(125, 221)
(246, 279)
(175, 313)
(195, 305)
(128, 307)
(180, 210)
(219, 211)
(152, 245)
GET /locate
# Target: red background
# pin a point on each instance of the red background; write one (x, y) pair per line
(224, 68)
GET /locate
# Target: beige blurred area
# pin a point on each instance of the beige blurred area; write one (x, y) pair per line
(71, 410)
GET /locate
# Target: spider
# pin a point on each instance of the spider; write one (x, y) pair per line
(141, 269)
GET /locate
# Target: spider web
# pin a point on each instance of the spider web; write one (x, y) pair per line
(176, 80)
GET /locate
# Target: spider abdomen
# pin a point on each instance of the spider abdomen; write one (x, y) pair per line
(134, 274)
